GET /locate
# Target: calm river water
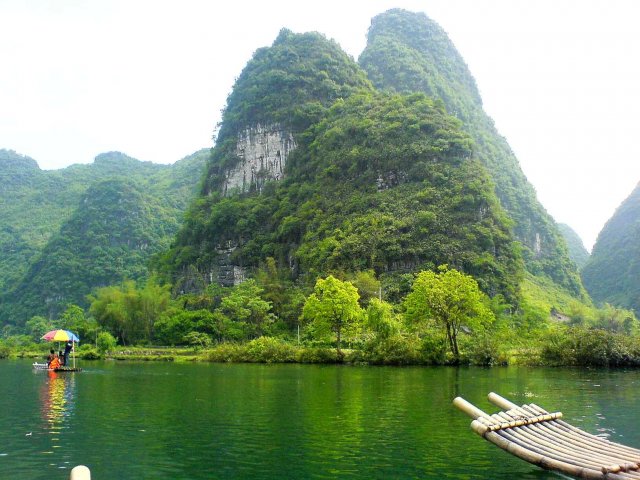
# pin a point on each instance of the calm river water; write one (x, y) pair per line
(209, 421)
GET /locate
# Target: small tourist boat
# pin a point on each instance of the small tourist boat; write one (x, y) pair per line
(44, 366)
(60, 335)
(543, 439)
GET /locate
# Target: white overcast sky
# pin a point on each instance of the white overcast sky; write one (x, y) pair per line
(560, 78)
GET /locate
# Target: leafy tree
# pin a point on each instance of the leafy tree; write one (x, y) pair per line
(333, 308)
(108, 307)
(197, 339)
(153, 300)
(106, 342)
(128, 312)
(245, 306)
(285, 296)
(75, 320)
(381, 320)
(173, 327)
(37, 326)
(72, 318)
(451, 300)
(369, 287)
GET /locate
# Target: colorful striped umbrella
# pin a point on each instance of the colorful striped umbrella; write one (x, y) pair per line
(60, 336)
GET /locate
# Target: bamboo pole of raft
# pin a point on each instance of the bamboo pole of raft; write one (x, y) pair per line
(586, 440)
(545, 434)
(579, 435)
(543, 440)
(529, 437)
(583, 438)
(627, 459)
(612, 457)
(554, 454)
(545, 458)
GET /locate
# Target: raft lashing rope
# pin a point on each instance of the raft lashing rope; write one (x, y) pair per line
(544, 439)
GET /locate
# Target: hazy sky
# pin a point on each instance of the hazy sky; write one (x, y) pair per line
(149, 78)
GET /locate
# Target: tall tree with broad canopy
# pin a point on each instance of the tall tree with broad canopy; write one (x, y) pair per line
(333, 308)
(450, 299)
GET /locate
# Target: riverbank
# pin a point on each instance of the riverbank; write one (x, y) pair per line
(575, 347)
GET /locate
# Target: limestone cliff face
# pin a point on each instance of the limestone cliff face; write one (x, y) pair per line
(263, 152)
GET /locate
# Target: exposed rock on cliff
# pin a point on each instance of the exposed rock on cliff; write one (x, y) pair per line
(262, 153)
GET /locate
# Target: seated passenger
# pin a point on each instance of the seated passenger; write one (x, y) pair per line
(55, 363)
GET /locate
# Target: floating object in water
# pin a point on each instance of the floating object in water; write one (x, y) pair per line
(543, 439)
(28, 434)
(44, 366)
(80, 472)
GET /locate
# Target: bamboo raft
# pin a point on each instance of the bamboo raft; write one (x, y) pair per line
(543, 439)
(44, 366)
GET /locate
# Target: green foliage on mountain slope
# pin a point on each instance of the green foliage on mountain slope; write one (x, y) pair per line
(289, 84)
(40, 220)
(108, 238)
(612, 274)
(577, 251)
(407, 52)
(383, 182)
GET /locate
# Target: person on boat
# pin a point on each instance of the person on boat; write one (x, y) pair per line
(61, 358)
(55, 362)
(51, 356)
(67, 348)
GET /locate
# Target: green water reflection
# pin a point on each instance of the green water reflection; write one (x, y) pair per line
(207, 421)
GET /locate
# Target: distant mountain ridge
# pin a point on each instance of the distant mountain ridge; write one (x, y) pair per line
(39, 207)
(612, 274)
(577, 251)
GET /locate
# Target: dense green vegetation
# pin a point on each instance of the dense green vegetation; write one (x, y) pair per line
(577, 251)
(383, 182)
(443, 319)
(403, 231)
(64, 232)
(407, 52)
(290, 84)
(613, 272)
(108, 238)
(450, 300)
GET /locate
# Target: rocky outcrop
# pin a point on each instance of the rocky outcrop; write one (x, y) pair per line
(263, 152)
(226, 273)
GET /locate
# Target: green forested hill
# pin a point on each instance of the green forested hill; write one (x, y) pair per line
(577, 251)
(108, 238)
(33, 208)
(612, 274)
(407, 52)
(37, 204)
(287, 87)
(376, 182)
